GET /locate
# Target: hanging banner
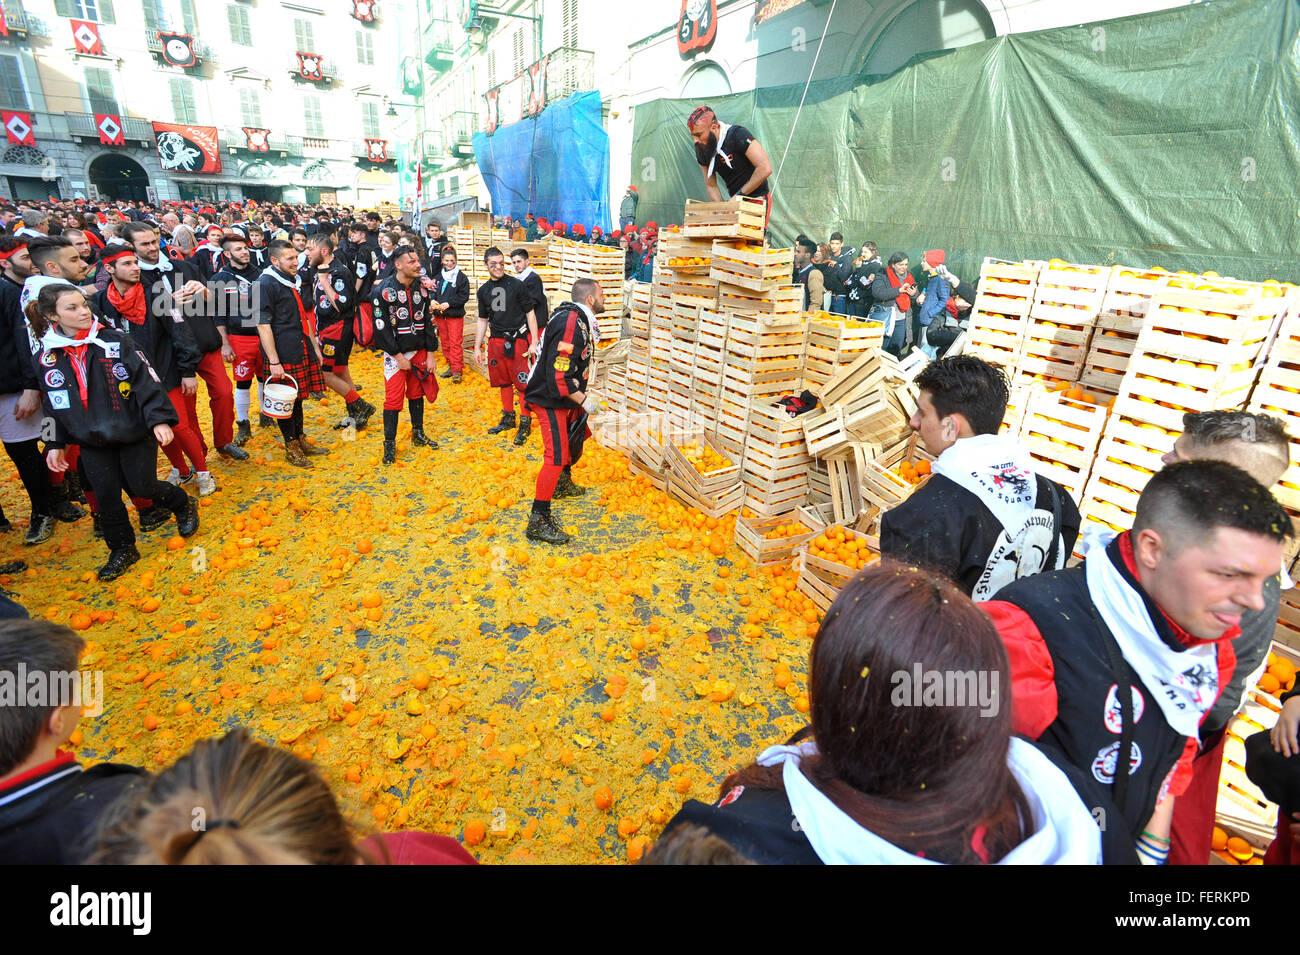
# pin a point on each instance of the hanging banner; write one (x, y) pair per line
(417, 215)
(18, 127)
(377, 150)
(85, 37)
(256, 139)
(537, 86)
(363, 10)
(518, 99)
(493, 118)
(177, 48)
(183, 148)
(309, 67)
(696, 26)
(110, 129)
(4, 24)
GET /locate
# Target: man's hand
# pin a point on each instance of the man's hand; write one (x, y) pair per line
(1283, 735)
(430, 362)
(55, 461)
(578, 397)
(163, 433)
(403, 362)
(227, 353)
(189, 386)
(189, 290)
(29, 402)
(480, 355)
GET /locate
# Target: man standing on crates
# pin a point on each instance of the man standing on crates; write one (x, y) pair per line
(984, 518)
(733, 152)
(557, 388)
(507, 318)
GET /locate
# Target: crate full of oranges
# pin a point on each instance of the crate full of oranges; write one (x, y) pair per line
(892, 477)
(838, 553)
(776, 539)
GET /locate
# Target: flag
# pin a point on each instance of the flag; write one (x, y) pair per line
(377, 150)
(177, 48)
(4, 23)
(416, 215)
(493, 116)
(364, 10)
(85, 35)
(18, 127)
(184, 148)
(110, 129)
(256, 139)
(309, 67)
(697, 26)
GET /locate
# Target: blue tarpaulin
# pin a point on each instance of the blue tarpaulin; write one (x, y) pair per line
(554, 165)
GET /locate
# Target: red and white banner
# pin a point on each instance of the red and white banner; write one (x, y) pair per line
(183, 148)
(18, 127)
(110, 129)
(177, 48)
(257, 139)
(417, 212)
(309, 67)
(522, 97)
(377, 150)
(364, 10)
(4, 23)
(85, 36)
(493, 98)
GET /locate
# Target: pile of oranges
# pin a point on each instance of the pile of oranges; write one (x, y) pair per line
(688, 261)
(1233, 849)
(785, 530)
(839, 545)
(703, 458)
(913, 472)
(1279, 677)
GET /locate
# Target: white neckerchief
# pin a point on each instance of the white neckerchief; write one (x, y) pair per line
(272, 271)
(723, 129)
(53, 339)
(1184, 683)
(32, 288)
(164, 264)
(1063, 831)
(997, 470)
(523, 276)
(450, 277)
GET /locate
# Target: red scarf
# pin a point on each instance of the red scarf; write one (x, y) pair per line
(904, 302)
(77, 355)
(308, 319)
(131, 305)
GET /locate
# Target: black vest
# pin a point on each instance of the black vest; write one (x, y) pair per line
(1087, 725)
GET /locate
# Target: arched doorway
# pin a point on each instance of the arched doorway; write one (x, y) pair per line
(924, 26)
(373, 187)
(706, 80)
(119, 177)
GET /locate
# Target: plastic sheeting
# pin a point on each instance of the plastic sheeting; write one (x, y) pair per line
(554, 165)
(1167, 139)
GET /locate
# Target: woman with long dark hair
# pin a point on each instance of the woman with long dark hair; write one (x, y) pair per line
(910, 758)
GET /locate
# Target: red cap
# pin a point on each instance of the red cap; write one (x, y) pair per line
(632, 188)
(652, 226)
(695, 115)
(616, 234)
(579, 229)
(934, 257)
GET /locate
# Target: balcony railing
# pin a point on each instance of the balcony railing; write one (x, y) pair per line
(328, 68)
(459, 129)
(83, 124)
(569, 71)
(439, 44)
(360, 151)
(412, 78)
(16, 19)
(155, 45)
(282, 145)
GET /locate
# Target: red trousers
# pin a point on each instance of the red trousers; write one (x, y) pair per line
(1194, 810)
(221, 400)
(451, 332)
(554, 425)
(509, 373)
(248, 357)
(399, 384)
(186, 444)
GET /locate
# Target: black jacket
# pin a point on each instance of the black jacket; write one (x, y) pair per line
(341, 282)
(564, 361)
(945, 528)
(278, 308)
(537, 294)
(883, 291)
(402, 318)
(858, 282)
(235, 287)
(455, 295)
(165, 337)
(53, 822)
(505, 304)
(125, 399)
(17, 373)
(198, 312)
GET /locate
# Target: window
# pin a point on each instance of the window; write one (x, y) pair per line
(455, 185)
(517, 62)
(313, 124)
(183, 101)
(99, 91)
(189, 19)
(302, 36)
(365, 48)
(442, 188)
(11, 83)
(101, 11)
(569, 24)
(370, 120)
(250, 107)
(155, 18)
(492, 68)
(240, 32)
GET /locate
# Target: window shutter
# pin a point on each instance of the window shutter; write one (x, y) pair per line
(189, 18)
(106, 12)
(11, 79)
(569, 25)
(99, 91)
(64, 8)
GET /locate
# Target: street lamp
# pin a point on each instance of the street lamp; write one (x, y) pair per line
(473, 16)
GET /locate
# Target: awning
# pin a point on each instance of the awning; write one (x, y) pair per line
(448, 206)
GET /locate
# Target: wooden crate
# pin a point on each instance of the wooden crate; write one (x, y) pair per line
(864, 375)
(1128, 455)
(840, 340)
(819, 483)
(1062, 435)
(713, 328)
(830, 570)
(1114, 337)
(783, 301)
(772, 423)
(881, 486)
(825, 431)
(820, 591)
(754, 267)
(760, 336)
(1019, 275)
(708, 483)
(751, 529)
(1161, 390)
(737, 218)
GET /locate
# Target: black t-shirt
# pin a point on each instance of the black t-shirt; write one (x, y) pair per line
(733, 166)
(505, 304)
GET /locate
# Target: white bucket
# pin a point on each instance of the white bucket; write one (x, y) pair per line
(278, 400)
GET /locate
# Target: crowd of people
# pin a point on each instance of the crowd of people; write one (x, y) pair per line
(111, 320)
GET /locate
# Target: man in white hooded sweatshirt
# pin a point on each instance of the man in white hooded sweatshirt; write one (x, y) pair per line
(984, 518)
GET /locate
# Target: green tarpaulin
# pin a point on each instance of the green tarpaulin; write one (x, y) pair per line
(1166, 139)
